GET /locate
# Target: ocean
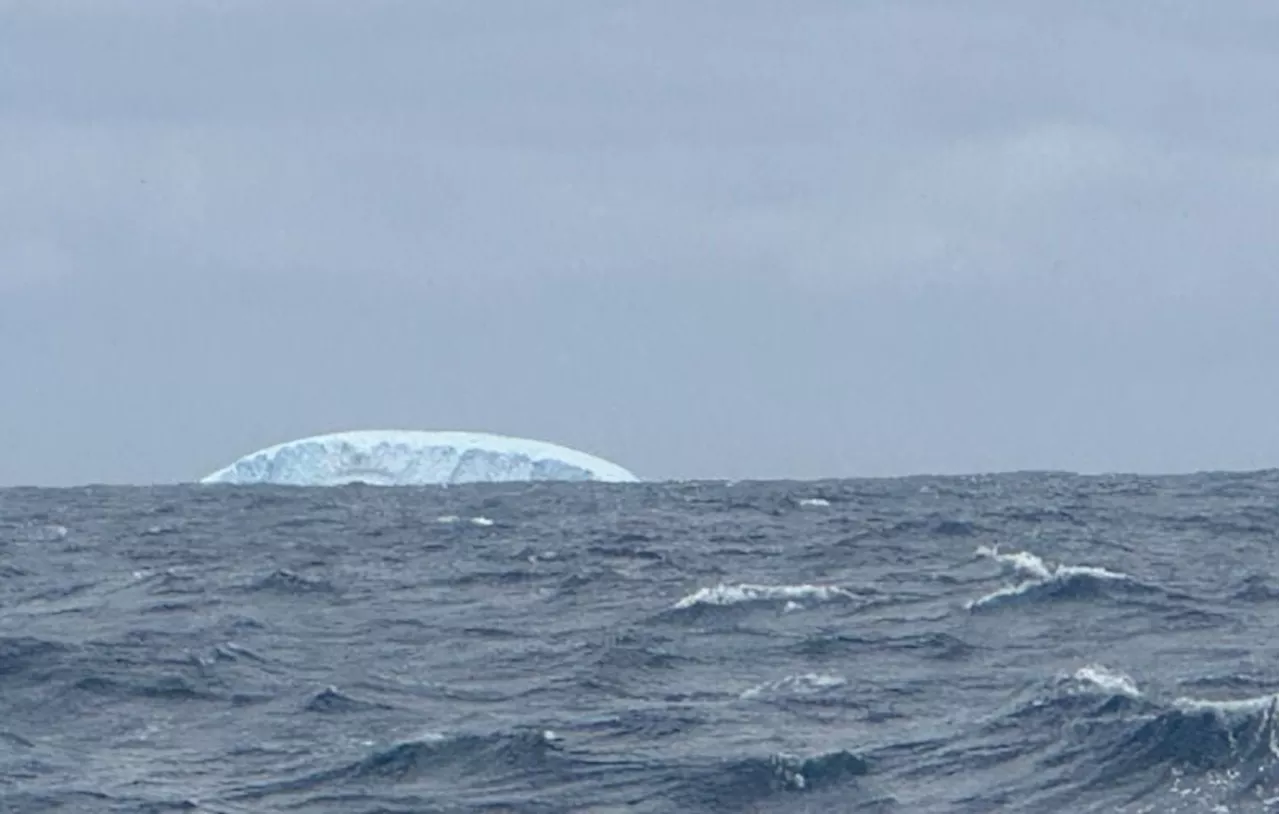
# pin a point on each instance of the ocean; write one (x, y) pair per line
(1031, 642)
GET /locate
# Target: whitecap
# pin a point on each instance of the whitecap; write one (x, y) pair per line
(726, 594)
(1108, 680)
(1039, 574)
(1246, 706)
(804, 684)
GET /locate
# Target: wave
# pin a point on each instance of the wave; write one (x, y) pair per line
(731, 604)
(1097, 732)
(453, 519)
(89, 673)
(166, 687)
(290, 583)
(1230, 746)
(795, 686)
(1210, 734)
(430, 758)
(839, 644)
(746, 783)
(332, 700)
(1257, 588)
(524, 750)
(813, 502)
(675, 723)
(501, 768)
(726, 594)
(29, 658)
(1108, 681)
(1043, 581)
(631, 653)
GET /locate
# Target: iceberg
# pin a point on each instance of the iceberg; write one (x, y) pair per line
(412, 458)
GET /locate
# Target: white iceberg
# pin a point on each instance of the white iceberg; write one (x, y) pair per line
(411, 457)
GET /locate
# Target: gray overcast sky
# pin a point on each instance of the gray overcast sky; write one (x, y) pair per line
(711, 239)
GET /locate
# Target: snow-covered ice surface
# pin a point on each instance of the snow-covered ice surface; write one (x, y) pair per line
(413, 457)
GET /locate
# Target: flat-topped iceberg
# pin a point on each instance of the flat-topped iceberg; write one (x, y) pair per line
(412, 457)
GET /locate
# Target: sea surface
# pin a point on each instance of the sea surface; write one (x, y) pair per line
(1011, 643)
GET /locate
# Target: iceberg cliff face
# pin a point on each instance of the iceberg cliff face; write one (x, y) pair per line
(407, 458)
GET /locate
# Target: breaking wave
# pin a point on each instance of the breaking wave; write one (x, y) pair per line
(741, 594)
(1096, 732)
(1043, 581)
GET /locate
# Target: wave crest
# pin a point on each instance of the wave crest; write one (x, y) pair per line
(743, 593)
(1095, 731)
(1043, 581)
(740, 785)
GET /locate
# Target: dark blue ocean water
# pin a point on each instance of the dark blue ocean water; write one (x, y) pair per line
(1020, 643)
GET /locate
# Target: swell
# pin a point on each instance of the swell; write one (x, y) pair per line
(503, 767)
(1095, 736)
(778, 781)
(1043, 582)
(498, 767)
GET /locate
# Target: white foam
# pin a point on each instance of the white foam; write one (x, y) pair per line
(1022, 562)
(788, 769)
(804, 684)
(45, 533)
(814, 501)
(726, 594)
(481, 521)
(1246, 706)
(1108, 680)
(1039, 573)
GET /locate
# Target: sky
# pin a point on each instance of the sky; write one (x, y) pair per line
(703, 240)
